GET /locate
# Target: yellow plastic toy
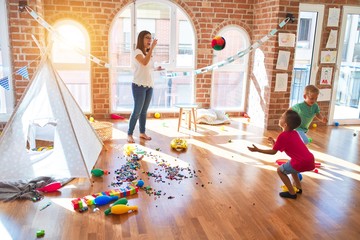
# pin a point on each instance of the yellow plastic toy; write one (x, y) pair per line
(285, 189)
(129, 149)
(178, 144)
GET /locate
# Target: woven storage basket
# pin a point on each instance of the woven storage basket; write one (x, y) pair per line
(103, 129)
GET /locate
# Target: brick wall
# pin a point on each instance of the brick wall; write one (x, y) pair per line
(264, 105)
(96, 16)
(24, 49)
(208, 16)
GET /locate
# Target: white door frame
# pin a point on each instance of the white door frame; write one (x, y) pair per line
(346, 10)
(319, 8)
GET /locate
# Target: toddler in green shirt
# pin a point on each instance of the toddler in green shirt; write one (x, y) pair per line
(308, 110)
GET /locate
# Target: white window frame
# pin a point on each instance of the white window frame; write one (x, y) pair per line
(86, 66)
(170, 66)
(7, 67)
(234, 67)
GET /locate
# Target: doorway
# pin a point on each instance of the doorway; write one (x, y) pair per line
(345, 107)
(307, 49)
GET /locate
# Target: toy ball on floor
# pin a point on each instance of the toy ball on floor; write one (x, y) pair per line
(157, 115)
(218, 43)
(336, 124)
(300, 176)
(140, 183)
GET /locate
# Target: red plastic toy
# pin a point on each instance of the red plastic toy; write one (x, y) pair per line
(52, 187)
(115, 116)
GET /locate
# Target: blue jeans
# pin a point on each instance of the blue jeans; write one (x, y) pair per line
(286, 168)
(142, 97)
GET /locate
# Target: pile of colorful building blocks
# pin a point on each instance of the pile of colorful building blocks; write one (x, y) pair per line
(82, 204)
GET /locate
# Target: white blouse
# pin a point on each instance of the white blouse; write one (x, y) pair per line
(143, 74)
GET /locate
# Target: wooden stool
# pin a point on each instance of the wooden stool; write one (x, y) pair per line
(189, 109)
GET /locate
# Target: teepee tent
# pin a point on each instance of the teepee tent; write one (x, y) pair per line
(47, 111)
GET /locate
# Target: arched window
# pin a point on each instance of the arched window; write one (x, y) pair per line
(73, 67)
(6, 96)
(174, 52)
(229, 82)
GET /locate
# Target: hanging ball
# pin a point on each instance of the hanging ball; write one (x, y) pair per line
(314, 125)
(218, 43)
(157, 115)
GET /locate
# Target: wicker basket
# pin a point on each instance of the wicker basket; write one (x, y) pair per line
(103, 129)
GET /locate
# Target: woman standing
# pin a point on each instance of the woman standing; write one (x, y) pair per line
(142, 86)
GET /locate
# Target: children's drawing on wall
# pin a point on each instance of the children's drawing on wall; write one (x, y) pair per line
(286, 40)
(332, 41)
(333, 19)
(283, 60)
(328, 56)
(324, 95)
(281, 82)
(326, 74)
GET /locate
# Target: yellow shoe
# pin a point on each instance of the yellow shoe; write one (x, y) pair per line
(285, 189)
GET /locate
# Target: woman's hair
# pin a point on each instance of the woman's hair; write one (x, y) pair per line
(311, 89)
(292, 119)
(140, 41)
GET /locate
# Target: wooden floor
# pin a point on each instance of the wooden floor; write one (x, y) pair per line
(232, 195)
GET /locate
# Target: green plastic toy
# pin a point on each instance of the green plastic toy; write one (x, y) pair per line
(121, 201)
(97, 172)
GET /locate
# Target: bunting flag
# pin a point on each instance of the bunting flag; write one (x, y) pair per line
(244, 52)
(23, 72)
(4, 82)
(197, 71)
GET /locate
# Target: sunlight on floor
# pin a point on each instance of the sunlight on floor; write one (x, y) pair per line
(152, 156)
(168, 127)
(224, 130)
(117, 134)
(64, 202)
(238, 150)
(330, 161)
(4, 233)
(332, 168)
(355, 128)
(333, 165)
(69, 186)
